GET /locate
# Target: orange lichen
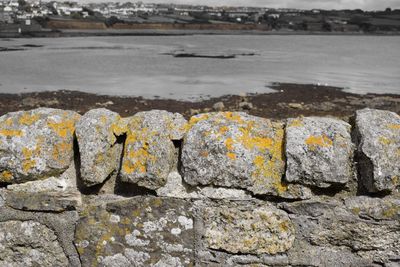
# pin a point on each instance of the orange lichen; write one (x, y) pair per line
(6, 176)
(223, 129)
(10, 133)
(231, 155)
(28, 119)
(59, 150)
(233, 117)
(251, 142)
(63, 128)
(318, 141)
(195, 119)
(394, 126)
(204, 153)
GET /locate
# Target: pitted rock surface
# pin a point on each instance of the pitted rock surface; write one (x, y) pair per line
(319, 151)
(36, 144)
(99, 151)
(235, 150)
(372, 235)
(29, 243)
(141, 231)
(247, 228)
(150, 154)
(378, 135)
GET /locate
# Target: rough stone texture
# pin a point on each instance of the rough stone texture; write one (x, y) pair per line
(141, 231)
(378, 141)
(150, 154)
(100, 153)
(235, 150)
(325, 226)
(35, 144)
(29, 243)
(67, 181)
(176, 188)
(319, 151)
(43, 201)
(246, 228)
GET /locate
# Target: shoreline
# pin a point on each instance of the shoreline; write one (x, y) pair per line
(151, 32)
(288, 100)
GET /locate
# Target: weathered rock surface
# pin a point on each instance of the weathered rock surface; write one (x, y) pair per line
(43, 201)
(141, 231)
(330, 226)
(29, 243)
(150, 154)
(319, 151)
(100, 153)
(378, 141)
(66, 182)
(35, 144)
(246, 228)
(176, 188)
(235, 150)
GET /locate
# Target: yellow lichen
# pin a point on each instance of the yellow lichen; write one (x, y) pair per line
(10, 133)
(6, 176)
(384, 141)
(229, 144)
(28, 119)
(318, 141)
(296, 123)
(268, 169)
(28, 164)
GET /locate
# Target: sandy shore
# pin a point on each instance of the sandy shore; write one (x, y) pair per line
(289, 100)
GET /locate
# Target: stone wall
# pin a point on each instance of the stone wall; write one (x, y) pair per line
(222, 189)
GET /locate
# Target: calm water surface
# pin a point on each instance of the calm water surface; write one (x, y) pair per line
(138, 66)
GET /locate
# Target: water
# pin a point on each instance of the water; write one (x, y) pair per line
(138, 66)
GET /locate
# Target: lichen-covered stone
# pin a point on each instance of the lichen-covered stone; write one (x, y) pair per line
(29, 243)
(141, 231)
(378, 141)
(67, 181)
(234, 150)
(35, 144)
(374, 208)
(247, 228)
(370, 234)
(319, 151)
(149, 153)
(99, 151)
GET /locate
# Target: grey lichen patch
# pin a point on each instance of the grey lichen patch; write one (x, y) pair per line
(100, 153)
(378, 144)
(247, 228)
(35, 144)
(319, 151)
(235, 150)
(149, 154)
(29, 243)
(141, 231)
